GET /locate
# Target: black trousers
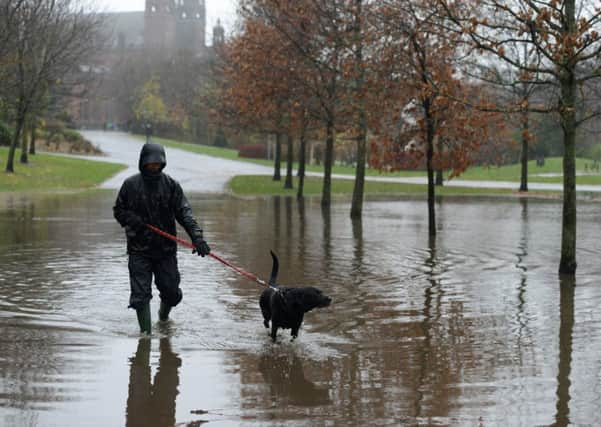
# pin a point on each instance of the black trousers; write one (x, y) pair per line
(166, 278)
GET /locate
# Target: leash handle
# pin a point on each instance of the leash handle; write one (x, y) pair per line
(211, 254)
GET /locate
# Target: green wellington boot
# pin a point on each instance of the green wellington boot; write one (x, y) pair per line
(164, 310)
(144, 318)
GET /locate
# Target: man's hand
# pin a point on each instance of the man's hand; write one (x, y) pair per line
(201, 248)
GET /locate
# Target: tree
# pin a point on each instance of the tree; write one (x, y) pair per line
(150, 107)
(417, 73)
(517, 89)
(44, 42)
(565, 35)
(254, 92)
(315, 32)
(358, 96)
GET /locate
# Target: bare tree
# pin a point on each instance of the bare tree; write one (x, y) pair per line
(45, 41)
(317, 32)
(566, 36)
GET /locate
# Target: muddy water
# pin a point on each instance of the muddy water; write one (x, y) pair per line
(475, 328)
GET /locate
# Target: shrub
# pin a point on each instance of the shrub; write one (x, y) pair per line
(252, 151)
(54, 127)
(72, 135)
(5, 135)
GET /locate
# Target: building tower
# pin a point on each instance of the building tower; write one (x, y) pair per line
(190, 32)
(159, 25)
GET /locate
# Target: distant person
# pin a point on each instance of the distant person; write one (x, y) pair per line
(148, 130)
(153, 197)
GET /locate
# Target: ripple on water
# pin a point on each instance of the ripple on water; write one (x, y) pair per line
(468, 328)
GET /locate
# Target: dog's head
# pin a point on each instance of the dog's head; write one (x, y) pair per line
(309, 298)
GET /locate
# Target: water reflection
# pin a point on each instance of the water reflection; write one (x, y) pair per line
(302, 227)
(277, 234)
(326, 240)
(285, 376)
(435, 371)
(151, 402)
(521, 265)
(567, 285)
(357, 225)
(458, 330)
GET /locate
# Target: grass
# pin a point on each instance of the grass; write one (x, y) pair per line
(553, 165)
(47, 172)
(511, 173)
(260, 185)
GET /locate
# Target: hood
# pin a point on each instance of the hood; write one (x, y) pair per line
(152, 153)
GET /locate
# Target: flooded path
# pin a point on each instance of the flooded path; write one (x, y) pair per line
(475, 328)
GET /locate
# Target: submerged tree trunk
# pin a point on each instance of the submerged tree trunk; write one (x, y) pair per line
(290, 154)
(567, 264)
(359, 187)
(429, 157)
(277, 163)
(326, 194)
(524, 154)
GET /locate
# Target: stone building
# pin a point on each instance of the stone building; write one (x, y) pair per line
(171, 25)
(163, 33)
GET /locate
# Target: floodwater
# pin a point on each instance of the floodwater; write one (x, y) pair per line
(475, 328)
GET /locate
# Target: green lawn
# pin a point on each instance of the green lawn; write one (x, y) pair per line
(260, 185)
(553, 165)
(48, 172)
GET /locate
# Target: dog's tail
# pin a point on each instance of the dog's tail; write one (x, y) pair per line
(274, 269)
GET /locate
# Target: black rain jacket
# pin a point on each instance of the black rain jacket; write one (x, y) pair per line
(155, 199)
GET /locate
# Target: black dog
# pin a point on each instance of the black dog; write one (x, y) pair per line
(285, 307)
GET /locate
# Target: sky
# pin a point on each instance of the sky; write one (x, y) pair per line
(216, 9)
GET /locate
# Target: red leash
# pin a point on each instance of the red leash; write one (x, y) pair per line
(211, 254)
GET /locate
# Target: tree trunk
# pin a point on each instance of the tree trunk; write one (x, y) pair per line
(302, 159)
(32, 139)
(524, 154)
(10, 168)
(439, 171)
(24, 147)
(359, 187)
(429, 157)
(567, 264)
(290, 154)
(326, 194)
(278, 157)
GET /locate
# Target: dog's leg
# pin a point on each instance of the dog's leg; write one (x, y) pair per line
(295, 328)
(265, 304)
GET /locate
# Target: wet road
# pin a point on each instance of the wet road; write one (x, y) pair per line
(195, 172)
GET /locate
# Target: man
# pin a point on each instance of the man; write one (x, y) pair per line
(153, 197)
